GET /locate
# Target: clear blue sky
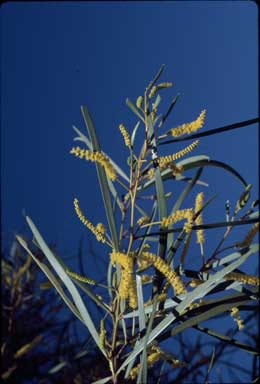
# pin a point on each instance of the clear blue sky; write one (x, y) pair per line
(58, 56)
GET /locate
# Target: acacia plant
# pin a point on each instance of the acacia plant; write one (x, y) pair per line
(152, 294)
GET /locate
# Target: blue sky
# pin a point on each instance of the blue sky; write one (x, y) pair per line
(59, 56)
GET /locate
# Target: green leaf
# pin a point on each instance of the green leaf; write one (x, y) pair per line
(67, 282)
(134, 109)
(102, 178)
(52, 279)
(197, 161)
(134, 133)
(82, 138)
(103, 381)
(226, 339)
(157, 76)
(140, 298)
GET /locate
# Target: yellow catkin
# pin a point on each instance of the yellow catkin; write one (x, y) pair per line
(189, 127)
(156, 88)
(180, 215)
(246, 279)
(249, 237)
(133, 301)
(195, 282)
(139, 102)
(127, 286)
(98, 157)
(95, 230)
(236, 315)
(143, 220)
(79, 277)
(166, 270)
(164, 161)
(102, 335)
(125, 135)
(198, 220)
(150, 173)
(152, 358)
(161, 297)
(146, 279)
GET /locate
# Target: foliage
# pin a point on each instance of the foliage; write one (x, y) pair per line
(152, 294)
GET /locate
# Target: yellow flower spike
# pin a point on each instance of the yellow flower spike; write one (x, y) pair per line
(139, 102)
(125, 135)
(189, 127)
(236, 315)
(152, 92)
(143, 220)
(166, 270)
(98, 157)
(101, 228)
(180, 215)
(87, 223)
(249, 237)
(152, 358)
(161, 297)
(243, 278)
(79, 277)
(146, 278)
(133, 301)
(102, 336)
(165, 161)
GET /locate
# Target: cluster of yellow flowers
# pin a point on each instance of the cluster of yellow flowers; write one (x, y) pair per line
(180, 215)
(127, 287)
(79, 277)
(102, 336)
(154, 355)
(156, 88)
(165, 161)
(98, 231)
(125, 135)
(249, 237)
(246, 279)
(143, 220)
(166, 270)
(189, 127)
(98, 157)
(237, 276)
(235, 314)
(198, 220)
(146, 278)
(161, 297)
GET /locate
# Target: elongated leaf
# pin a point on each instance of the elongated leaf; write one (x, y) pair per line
(67, 282)
(172, 105)
(193, 162)
(156, 77)
(134, 133)
(52, 279)
(226, 339)
(102, 178)
(103, 381)
(134, 109)
(140, 298)
(83, 138)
